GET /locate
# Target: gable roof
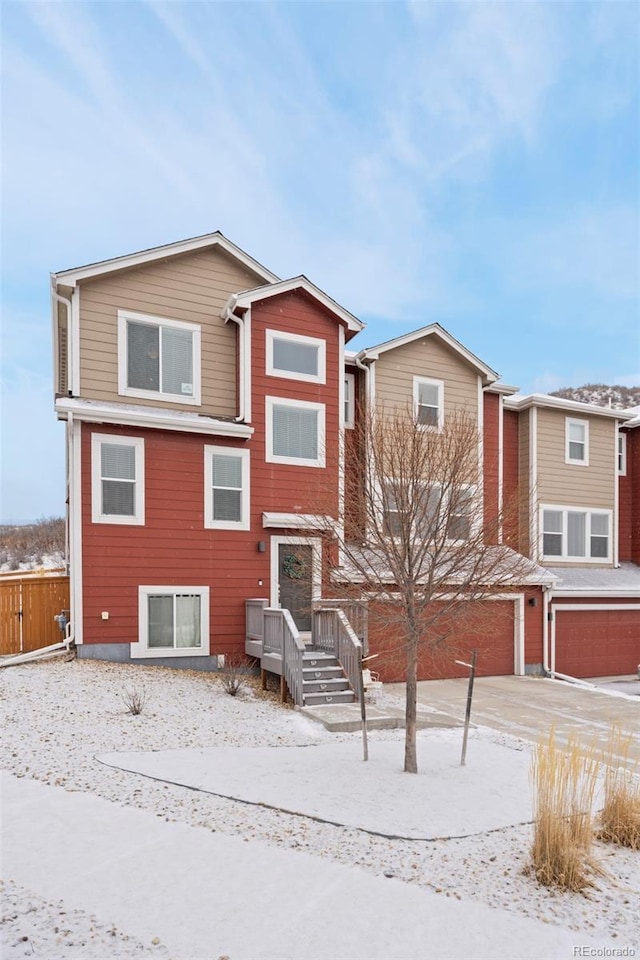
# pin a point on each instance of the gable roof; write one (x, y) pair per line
(433, 329)
(217, 239)
(246, 297)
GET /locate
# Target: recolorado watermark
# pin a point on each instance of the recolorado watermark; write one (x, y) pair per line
(604, 952)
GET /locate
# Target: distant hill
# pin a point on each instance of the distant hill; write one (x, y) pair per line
(617, 396)
(29, 546)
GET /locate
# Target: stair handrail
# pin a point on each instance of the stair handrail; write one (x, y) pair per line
(292, 658)
(272, 639)
(332, 632)
(356, 612)
(254, 620)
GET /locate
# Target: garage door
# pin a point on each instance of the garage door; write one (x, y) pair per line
(492, 636)
(597, 643)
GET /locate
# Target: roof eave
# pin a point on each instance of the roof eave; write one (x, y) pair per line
(247, 297)
(373, 353)
(74, 275)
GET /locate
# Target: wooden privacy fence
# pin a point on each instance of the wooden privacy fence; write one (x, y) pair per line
(27, 607)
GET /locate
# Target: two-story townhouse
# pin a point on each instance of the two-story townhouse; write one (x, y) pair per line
(577, 521)
(201, 394)
(209, 408)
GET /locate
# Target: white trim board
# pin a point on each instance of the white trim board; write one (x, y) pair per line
(247, 297)
(73, 275)
(316, 573)
(157, 418)
(372, 353)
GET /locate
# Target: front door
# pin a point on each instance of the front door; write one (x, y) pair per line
(295, 581)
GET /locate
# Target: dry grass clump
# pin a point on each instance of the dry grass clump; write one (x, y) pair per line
(135, 700)
(620, 815)
(564, 786)
(233, 675)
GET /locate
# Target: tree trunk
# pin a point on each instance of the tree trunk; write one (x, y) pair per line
(410, 747)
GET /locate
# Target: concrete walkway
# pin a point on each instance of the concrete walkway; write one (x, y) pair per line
(528, 707)
(206, 896)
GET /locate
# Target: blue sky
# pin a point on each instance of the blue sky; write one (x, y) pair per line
(472, 164)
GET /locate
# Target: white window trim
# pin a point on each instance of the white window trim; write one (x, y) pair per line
(270, 456)
(245, 522)
(575, 421)
(125, 391)
(566, 557)
(316, 570)
(272, 371)
(97, 516)
(141, 649)
(350, 399)
(416, 394)
(475, 521)
(621, 455)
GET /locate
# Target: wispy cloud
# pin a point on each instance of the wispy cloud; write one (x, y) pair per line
(465, 162)
(485, 77)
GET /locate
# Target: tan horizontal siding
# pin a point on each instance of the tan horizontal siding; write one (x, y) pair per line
(429, 357)
(192, 288)
(570, 484)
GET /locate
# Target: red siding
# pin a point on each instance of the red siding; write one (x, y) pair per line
(173, 547)
(533, 627)
(510, 477)
(278, 487)
(491, 462)
(633, 474)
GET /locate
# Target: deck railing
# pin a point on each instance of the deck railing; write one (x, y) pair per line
(332, 632)
(255, 619)
(292, 657)
(356, 612)
(272, 631)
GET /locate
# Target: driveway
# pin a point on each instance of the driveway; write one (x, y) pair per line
(527, 707)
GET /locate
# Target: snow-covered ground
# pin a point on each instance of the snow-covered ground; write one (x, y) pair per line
(59, 716)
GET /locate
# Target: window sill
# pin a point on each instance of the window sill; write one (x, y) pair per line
(155, 395)
(140, 652)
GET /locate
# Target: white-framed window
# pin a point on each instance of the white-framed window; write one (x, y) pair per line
(158, 358)
(572, 533)
(435, 516)
(295, 432)
(172, 622)
(296, 357)
(117, 479)
(577, 442)
(460, 515)
(349, 400)
(622, 454)
(428, 402)
(226, 488)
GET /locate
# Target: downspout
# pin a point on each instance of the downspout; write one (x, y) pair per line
(367, 374)
(545, 630)
(58, 298)
(227, 315)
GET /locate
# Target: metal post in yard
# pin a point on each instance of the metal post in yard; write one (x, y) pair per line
(467, 717)
(363, 709)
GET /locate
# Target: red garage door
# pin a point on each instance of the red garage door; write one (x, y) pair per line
(492, 636)
(597, 643)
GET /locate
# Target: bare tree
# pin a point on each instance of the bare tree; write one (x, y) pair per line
(415, 540)
(30, 543)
